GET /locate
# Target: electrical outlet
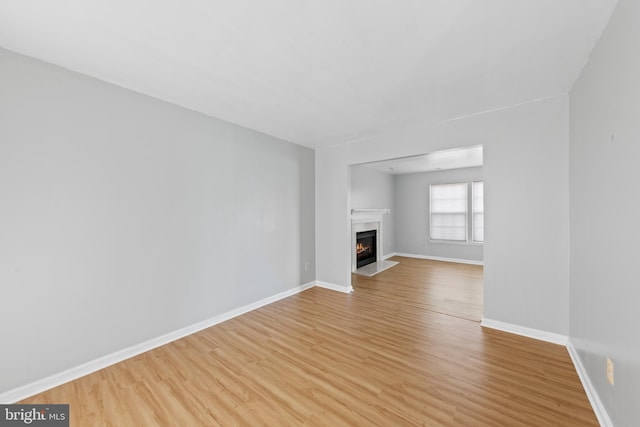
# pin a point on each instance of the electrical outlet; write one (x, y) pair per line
(306, 266)
(609, 371)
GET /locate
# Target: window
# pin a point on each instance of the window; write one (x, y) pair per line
(450, 214)
(448, 210)
(477, 217)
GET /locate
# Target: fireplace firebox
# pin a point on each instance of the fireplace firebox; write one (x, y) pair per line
(366, 251)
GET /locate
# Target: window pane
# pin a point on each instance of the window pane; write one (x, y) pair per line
(449, 198)
(478, 211)
(448, 204)
(478, 227)
(449, 226)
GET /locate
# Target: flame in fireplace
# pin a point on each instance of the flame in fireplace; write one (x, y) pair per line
(360, 248)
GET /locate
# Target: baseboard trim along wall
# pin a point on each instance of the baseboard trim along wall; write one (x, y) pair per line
(334, 287)
(592, 394)
(525, 332)
(594, 399)
(55, 380)
(438, 258)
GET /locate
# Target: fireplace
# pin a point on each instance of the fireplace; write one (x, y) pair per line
(365, 225)
(366, 242)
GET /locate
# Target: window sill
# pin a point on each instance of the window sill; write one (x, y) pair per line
(454, 242)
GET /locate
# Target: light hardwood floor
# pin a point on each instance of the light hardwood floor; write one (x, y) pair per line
(437, 286)
(385, 355)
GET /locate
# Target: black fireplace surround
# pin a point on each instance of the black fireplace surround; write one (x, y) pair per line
(366, 247)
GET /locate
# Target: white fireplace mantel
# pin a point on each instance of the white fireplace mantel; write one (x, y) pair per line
(367, 215)
(365, 220)
(370, 211)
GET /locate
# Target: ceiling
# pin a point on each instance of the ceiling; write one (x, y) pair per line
(318, 72)
(457, 158)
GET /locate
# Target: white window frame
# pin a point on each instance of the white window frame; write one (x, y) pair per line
(470, 239)
(474, 212)
(466, 214)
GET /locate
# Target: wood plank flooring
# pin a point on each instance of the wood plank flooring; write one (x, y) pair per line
(438, 286)
(385, 355)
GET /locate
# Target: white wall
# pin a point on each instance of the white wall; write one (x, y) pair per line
(526, 203)
(605, 150)
(412, 214)
(123, 218)
(373, 189)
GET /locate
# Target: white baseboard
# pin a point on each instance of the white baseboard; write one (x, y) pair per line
(334, 287)
(392, 254)
(55, 380)
(60, 378)
(437, 258)
(594, 399)
(525, 332)
(592, 395)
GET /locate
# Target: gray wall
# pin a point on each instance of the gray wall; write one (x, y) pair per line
(526, 253)
(373, 189)
(412, 214)
(604, 173)
(123, 218)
